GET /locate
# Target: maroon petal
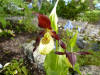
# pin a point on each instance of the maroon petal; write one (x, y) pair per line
(83, 53)
(42, 33)
(62, 44)
(38, 40)
(37, 43)
(44, 21)
(60, 53)
(34, 49)
(71, 58)
(54, 35)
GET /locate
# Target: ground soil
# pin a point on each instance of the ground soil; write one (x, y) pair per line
(10, 48)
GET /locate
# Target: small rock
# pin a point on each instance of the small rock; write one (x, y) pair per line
(90, 70)
(39, 59)
(28, 50)
(81, 43)
(33, 56)
(96, 47)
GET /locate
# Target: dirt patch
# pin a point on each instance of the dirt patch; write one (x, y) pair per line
(11, 48)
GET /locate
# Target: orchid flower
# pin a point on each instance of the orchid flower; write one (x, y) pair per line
(46, 43)
(72, 56)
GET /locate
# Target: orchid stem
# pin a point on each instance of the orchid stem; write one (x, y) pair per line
(71, 49)
(56, 45)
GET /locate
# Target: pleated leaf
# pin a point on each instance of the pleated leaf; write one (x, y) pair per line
(56, 64)
(53, 18)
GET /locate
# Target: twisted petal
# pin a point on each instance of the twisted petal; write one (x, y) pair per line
(44, 21)
(83, 53)
(38, 40)
(62, 44)
(46, 44)
(54, 35)
(37, 43)
(60, 53)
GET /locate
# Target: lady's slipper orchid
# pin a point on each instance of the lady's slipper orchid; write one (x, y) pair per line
(46, 43)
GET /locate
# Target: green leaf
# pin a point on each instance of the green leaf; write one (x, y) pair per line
(3, 21)
(24, 70)
(77, 68)
(72, 42)
(56, 64)
(53, 18)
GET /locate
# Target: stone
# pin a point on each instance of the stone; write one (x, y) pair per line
(81, 43)
(33, 56)
(90, 70)
(39, 59)
(96, 46)
(28, 50)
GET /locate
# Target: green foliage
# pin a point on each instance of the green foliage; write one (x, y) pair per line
(15, 68)
(96, 1)
(92, 16)
(28, 25)
(90, 59)
(56, 64)
(70, 38)
(5, 33)
(77, 68)
(72, 10)
(10, 6)
(72, 42)
(46, 8)
(8, 9)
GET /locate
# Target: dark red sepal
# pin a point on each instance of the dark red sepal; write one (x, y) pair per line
(36, 43)
(54, 35)
(34, 49)
(44, 21)
(83, 53)
(62, 44)
(60, 53)
(41, 34)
